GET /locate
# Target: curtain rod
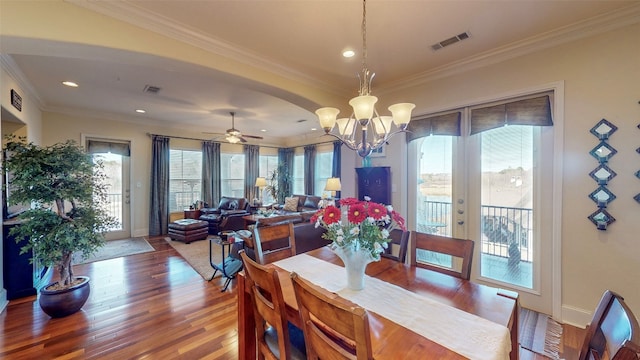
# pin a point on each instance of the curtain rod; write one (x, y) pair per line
(266, 146)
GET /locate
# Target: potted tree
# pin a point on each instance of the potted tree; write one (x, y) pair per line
(67, 193)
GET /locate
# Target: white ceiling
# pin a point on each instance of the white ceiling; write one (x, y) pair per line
(301, 40)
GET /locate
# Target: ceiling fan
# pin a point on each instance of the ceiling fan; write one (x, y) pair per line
(234, 135)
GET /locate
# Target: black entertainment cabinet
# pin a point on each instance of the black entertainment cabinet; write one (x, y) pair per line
(375, 182)
(21, 278)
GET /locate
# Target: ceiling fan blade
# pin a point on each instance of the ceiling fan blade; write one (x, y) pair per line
(253, 136)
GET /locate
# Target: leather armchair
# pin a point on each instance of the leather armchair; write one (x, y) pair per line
(229, 211)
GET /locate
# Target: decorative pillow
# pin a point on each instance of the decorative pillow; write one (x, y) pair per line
(290, 204)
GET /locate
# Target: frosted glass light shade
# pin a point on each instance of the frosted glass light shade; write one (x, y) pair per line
(401, 113)
(363, 106)
(382, 124)
(327, 117)
(233, 139)
(261, 182)
(345, 127)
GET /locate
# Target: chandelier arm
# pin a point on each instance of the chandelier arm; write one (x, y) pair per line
(347, 142)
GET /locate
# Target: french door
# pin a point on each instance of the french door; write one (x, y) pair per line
(495, 188)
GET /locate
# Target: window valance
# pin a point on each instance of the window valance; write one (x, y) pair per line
(444, 124)
(99, 146)
(532, 111)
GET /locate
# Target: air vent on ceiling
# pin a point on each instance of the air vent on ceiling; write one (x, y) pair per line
(151, 89)
(450, 41)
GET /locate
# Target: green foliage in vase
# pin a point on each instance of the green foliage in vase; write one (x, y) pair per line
(68, 195)
(279, 183)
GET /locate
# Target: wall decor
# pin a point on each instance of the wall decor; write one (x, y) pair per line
(602, 174)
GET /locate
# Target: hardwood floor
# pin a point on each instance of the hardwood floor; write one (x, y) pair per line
(146, 306)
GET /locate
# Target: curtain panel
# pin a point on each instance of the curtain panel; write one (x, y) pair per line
(309, 168)
(159, 199)
(251, 170)
(336, 167)
(211, 188)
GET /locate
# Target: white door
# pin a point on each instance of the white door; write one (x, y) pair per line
(117, 169)
(494, 187)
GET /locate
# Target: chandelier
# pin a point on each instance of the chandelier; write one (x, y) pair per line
(364, 113)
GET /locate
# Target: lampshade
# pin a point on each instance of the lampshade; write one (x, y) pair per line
(333, 184)
(382, 124)
(363, 106)
(401, 113)
(345, 126)
(261, 182)
(327, 117)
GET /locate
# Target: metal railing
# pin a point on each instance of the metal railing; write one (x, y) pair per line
(506, 231)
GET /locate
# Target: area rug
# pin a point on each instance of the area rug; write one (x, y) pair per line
(540, 333)
(115, 249)
(197, 255)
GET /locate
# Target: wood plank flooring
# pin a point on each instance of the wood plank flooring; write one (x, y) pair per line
(146, 306)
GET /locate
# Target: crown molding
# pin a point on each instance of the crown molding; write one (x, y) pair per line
(14, 71)
(587, 28)
(134, 15)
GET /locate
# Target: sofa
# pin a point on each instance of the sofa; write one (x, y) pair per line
(306, 204)
(227, 215)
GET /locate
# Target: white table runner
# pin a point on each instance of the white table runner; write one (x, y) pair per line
(464, 333)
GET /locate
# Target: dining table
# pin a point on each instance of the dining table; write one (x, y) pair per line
(448, 317)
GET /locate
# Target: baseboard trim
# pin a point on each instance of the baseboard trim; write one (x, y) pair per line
(575, 316)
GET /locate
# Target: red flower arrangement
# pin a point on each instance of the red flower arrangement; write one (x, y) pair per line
(359, 224)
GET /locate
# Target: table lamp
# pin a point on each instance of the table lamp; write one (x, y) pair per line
(333, 185)
(260, 184)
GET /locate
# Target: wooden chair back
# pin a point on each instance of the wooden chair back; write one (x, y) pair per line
(400, 239)
(273, 243)
(458, 248)
(334, 328)
(269, 310)
(613, 332)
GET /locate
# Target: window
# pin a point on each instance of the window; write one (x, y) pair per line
(185, 178)
(323, 168)
(232, 174)
(297, 183)
(268, 164)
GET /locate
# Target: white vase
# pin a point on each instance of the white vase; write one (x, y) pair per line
(355, 262)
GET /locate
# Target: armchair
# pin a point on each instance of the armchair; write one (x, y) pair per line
(227, 208)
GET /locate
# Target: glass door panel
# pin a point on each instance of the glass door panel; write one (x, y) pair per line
(506, 212)
(116, 168)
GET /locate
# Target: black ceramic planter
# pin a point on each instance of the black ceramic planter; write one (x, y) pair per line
(61, 303)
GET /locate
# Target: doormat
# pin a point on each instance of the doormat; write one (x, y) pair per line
(540, 333)
(115, 249)
(196, 254)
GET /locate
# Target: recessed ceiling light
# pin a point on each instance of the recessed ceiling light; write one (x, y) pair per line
(348, 53)
(314, 129)
(69, 84)
(140, 111)
(263, 130)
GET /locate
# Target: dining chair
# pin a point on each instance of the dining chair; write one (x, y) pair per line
(613, 332)
(334, 328)
(274, 242)
(276, 337)
(401, 240)
(442, 254)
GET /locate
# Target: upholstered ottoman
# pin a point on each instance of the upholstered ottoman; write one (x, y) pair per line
(188, 230)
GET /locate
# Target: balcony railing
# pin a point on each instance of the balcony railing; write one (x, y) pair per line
(506, 231)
